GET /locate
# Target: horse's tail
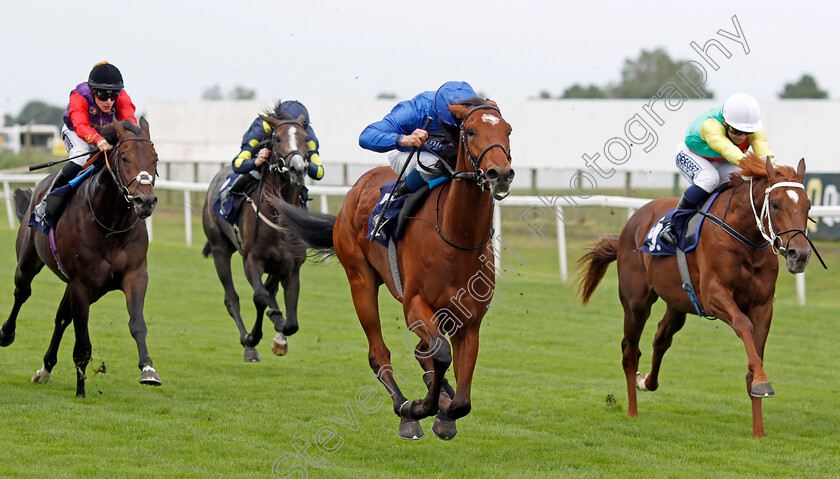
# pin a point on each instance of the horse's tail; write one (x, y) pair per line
(593, 265)
(22, 199)
(315, 229)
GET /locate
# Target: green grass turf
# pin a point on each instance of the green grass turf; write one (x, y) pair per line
(548, 395)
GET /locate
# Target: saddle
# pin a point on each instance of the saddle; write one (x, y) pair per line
(395, 218)
(59, 196)
(685, 224)
(228, 205)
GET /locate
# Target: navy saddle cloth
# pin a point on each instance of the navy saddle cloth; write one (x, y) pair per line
(686, 226)
(229, 209)
(393, 223)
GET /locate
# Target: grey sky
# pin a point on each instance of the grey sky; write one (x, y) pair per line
(333, 50)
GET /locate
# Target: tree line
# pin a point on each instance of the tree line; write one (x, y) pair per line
(640, 78)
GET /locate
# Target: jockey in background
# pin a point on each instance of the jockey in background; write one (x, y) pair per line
(93, 104)
(248, 167)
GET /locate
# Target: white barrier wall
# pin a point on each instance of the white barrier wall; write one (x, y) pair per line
(547, 133)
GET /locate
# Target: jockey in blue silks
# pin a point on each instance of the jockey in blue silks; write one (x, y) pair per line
(402, 129)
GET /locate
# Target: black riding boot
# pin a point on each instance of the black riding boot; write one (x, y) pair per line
(54, 204)
(667, 234)
(240, 184)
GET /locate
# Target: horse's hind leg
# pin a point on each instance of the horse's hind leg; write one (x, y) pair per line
(254, 270)
(671, 322)
(63, 318)
(29, 264)
(636, 298)
(221, 260)
(280, 346)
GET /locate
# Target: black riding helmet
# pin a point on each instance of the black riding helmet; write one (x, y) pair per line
(105, 76)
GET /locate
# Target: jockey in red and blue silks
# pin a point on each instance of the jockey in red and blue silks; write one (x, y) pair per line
(401, 130)
(93, 104)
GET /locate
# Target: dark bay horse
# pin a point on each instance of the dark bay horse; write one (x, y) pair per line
(266, 248)
(101, 243)
(734, 280)
(444, 247)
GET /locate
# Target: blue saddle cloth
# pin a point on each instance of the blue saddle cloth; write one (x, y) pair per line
(390, 220)
(229, 211)
(686, 231)
(61, 192)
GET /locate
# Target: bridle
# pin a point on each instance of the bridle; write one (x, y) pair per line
(142, 178)
(280, 166)
(777, 245)
(477, 174)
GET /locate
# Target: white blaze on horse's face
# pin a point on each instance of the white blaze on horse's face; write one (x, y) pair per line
(488, 118)
(793, 196)
(292, 132)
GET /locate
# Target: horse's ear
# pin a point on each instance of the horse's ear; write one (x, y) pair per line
(459, 111)
(118, 128)
(771, 171)
(270, 120)
(301, 119)
(491, 103)
(800, 171)
(144, 128)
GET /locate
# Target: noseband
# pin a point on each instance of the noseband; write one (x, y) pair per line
(283, 160)
(478, 174)
(142, 178)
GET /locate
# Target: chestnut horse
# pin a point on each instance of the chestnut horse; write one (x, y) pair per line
(734, 279)
(443, 246)
(264, 245)
(101, 246)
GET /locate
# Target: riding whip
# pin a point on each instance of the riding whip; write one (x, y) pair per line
(51, 163)
(394, 188)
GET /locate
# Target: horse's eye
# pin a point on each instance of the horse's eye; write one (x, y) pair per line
(774, 205)
(470, 132)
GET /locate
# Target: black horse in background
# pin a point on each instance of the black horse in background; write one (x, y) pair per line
(266, 247)
(100, 244)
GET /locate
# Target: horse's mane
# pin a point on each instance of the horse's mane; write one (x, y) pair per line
(277, 112)
(110, 133)
(753, 166)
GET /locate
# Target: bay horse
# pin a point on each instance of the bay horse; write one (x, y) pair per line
(734, 279)
(100, 245)
(266, 247)
(443, 248)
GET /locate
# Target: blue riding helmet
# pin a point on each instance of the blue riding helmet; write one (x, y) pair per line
(450, 93)
(294, 108)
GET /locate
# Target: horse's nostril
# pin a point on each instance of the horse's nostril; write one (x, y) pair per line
(492, 174)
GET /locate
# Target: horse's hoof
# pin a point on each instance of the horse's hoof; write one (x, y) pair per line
(6, 339)
(290, 327)
(444, 427)
(251, 355)
(762, 390)
(640, 381)
(80, 396)
(41, 376)
(280, 346)
(410, 430)
(150, 377)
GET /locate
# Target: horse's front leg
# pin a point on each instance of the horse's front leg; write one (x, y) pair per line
(254, 270)
(63, 318)
(758, 384)
(291, 293)
(761, 317)
(420, 320)
(134, 285)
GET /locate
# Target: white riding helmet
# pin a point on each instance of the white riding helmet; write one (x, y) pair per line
(742, 113)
